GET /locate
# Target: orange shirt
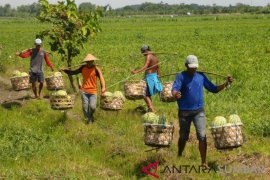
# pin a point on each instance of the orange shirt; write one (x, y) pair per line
(89, 84)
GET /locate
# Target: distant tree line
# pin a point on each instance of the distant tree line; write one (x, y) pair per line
(21, 11)
(183, 9)
(144, 8)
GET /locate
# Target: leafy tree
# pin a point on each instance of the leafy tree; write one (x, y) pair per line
(71, 29)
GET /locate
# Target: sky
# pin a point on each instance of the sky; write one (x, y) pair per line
(122, 3)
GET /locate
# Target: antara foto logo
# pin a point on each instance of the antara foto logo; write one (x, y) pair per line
(147, 169)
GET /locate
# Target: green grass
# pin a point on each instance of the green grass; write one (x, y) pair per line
(38, 142)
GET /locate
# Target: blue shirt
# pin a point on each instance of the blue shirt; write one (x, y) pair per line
(191, 88)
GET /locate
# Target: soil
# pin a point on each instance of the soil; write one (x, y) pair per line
(9, 97)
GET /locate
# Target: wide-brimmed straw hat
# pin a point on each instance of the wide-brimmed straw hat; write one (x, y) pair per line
(90, 57)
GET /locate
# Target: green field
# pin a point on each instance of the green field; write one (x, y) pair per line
(38, 142)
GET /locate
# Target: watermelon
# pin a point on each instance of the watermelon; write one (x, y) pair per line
(23, 74)
(219, 121)
(228, 124)
(234, 119)
(108, 94)
(61, 93)
(151, 118)
(16, 73)
(119, 94)
(50, 74)
(57, 74)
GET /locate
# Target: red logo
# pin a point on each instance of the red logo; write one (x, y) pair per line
(146, 169)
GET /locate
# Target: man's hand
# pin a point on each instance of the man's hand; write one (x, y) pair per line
(62, 69)
(103, 90)
(229, 80)
(17, 53)
(133, 71)
(177, 94)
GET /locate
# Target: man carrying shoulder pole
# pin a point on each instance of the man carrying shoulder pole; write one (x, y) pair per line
(36, 71)
(188, 90)
(152, 72)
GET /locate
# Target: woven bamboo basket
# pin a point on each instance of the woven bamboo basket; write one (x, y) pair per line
(158, 135)
(111, 103)
(61, 102)
(228, 136)
(166, 94)
(20, 83)
(54, 82)
(134, 89)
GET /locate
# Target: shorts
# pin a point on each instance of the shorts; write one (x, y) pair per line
(199, 122)
(36, 77)
(146, 91)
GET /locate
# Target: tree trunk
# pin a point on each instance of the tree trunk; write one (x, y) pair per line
(69, 76)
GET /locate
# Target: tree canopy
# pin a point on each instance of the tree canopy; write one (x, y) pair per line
(71, 28)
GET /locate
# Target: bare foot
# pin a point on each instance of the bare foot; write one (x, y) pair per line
(205, 165)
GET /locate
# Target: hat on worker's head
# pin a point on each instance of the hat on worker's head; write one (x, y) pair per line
(145, 48)
(192, 61)
(38, 41)
(90, 57)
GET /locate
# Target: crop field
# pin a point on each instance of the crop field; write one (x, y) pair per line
(38, 142)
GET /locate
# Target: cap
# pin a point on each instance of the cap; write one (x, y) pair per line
(90, 57)
(38, 41)
(192, 61)
(145, 48)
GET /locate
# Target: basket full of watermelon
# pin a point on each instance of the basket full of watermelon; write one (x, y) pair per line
(60, 100)
(134, 90)
(166, 94)
(19, 80)
(55, 81)
(227, 134)
(112, 101)
(157, 132)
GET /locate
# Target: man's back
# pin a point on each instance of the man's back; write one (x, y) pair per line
(153, 64)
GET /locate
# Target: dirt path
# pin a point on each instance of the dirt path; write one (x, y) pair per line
(9, 97)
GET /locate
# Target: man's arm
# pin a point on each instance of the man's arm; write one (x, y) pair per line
(228, 81)
(102, 81)
(48, 61)
(214, 88)
(145, 66)
(158, 71)
(24, 54)
(70, 72)
(176, 87)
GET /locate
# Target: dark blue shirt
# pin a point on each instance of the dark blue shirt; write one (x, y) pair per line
(191, 88)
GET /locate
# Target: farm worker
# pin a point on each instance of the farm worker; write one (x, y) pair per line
(36, 71)
(188, 90)
(152, 72)
(88, 90)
